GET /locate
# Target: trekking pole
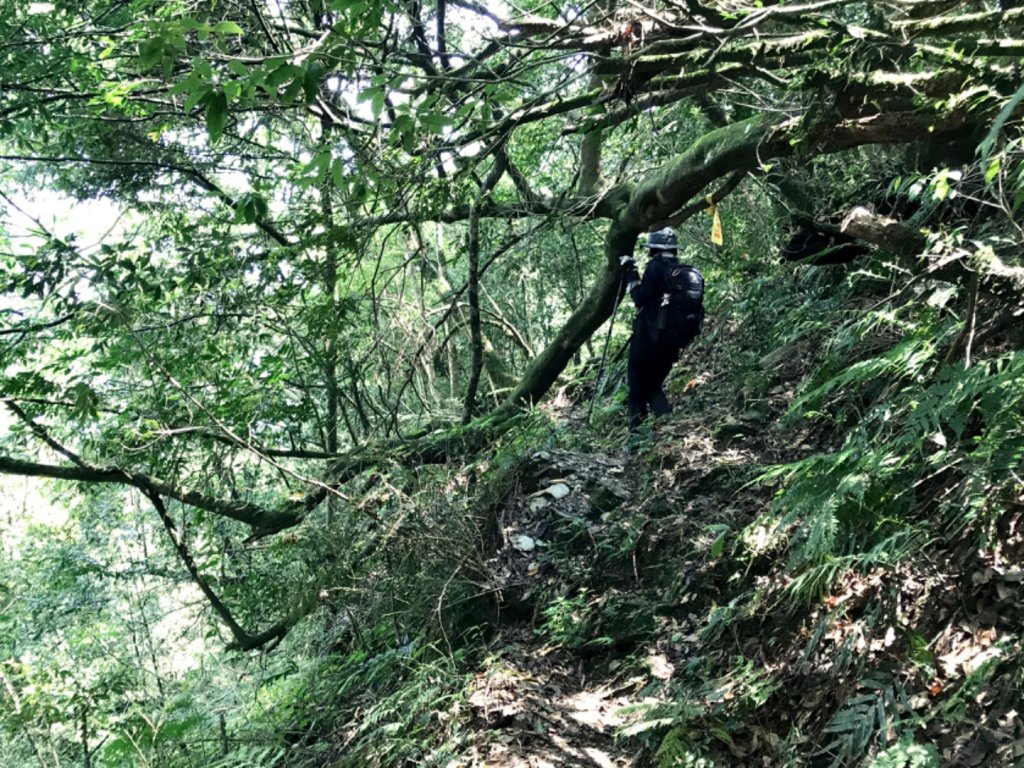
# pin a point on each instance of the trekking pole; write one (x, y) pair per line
(604, 355)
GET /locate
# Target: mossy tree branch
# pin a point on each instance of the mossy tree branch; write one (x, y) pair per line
(741, 146)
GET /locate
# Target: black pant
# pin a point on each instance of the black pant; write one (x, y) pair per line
(649, 364)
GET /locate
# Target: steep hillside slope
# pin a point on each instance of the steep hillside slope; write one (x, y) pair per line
(815, 561)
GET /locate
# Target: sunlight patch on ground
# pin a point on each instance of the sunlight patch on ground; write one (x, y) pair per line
(593, 708)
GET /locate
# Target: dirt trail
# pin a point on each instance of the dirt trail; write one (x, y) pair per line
(540, 705)
(918, 644)
(543, 704)
(538, 708)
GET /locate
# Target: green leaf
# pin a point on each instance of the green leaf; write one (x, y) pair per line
(199, 95)
(244, 210)
(250, 207)
(1018, 201)
(292, 91)
(338, 172)
(345, 5)
(377, 105)
(86, 401)
(151, 51)
(993, 169)
(316, 169)
(1008, 109)
(435, 122)
(202, 68)
(718, 545)
(282, 75)
(375, 95)
(228, 28)
(404, 130)
(311, 79)
(216, 115)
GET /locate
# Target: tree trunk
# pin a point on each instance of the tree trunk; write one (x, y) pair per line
(650, 203)
(476, 340)
(663, 196)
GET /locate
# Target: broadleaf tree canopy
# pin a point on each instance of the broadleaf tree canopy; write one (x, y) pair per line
(317, 202)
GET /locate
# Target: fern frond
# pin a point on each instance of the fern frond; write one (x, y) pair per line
(861, 718)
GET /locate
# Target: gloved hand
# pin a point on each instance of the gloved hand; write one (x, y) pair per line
(627, 269)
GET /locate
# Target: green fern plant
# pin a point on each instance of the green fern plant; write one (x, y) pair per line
(700, 710)
(908, 754)
(812, 582)
(935, 418)
(566, 620)
(250, 756)
(676, 751)
(416, 722)
(910, 357)
(872, 711)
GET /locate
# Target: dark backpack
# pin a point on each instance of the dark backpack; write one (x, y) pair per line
(681, 314)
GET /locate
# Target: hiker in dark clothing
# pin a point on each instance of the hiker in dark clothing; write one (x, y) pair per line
(670, 313)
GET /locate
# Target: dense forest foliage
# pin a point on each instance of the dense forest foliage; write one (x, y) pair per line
(313, 370)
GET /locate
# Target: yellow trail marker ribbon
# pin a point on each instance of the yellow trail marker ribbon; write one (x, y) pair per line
(716, 223)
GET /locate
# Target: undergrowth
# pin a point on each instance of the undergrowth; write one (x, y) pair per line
(887, 460)
(922, 453)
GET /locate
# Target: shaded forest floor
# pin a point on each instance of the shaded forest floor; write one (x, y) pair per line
(568, 679)
(647, 611)
(595, 677)
(669, 503)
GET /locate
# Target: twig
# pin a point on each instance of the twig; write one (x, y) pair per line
(972, 318)
(228, 432)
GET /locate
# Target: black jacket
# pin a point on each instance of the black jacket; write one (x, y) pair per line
(647, 293)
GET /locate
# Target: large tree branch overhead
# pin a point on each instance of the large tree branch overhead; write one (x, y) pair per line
(718, 154)
(261, 519)
(342, 167)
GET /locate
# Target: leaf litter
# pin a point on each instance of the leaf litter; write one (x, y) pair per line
(935, 666)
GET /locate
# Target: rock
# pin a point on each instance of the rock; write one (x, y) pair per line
(608, 494)
(538, 503)
(779, 357)
(753, 415)
(557, 491)
(523, 543)
(614, 487)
